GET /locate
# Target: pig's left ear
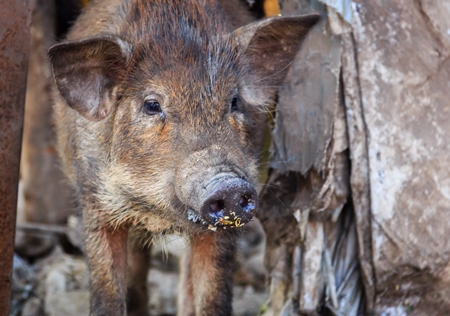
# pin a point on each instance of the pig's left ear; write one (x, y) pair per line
(269, 48)
(86, 72)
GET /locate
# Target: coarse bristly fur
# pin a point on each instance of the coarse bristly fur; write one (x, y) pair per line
(141, 170)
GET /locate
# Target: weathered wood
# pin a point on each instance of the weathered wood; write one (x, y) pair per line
(44, 193)
(304, 115)
(310, 295)
(15, 19)
(403, 59)
(359, 181)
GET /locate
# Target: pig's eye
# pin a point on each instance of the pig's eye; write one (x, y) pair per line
(152, 107)
(234, 104)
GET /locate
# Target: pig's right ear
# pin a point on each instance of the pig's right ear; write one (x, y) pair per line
(86, 72)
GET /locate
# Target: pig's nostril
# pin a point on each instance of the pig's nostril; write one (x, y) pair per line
(216, 206)
(243, 201)
(231, 203)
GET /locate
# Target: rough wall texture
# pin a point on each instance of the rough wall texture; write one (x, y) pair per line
(404, 74)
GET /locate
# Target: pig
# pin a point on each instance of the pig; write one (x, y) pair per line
(159, 107)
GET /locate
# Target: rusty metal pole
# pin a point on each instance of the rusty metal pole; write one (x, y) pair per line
(15, 19)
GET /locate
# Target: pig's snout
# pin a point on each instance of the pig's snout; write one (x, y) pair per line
(231, 203)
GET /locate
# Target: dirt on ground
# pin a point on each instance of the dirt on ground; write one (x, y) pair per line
(57, 283)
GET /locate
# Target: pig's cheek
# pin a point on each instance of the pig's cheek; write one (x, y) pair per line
(237, 124)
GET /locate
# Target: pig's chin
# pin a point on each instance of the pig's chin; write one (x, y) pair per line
(221, 220)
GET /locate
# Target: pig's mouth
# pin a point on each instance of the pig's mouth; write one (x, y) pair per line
(220, 220)
(230, 202)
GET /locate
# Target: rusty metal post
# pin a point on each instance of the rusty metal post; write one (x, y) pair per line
(15, 19)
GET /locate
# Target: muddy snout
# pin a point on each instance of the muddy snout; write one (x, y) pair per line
(231, 202)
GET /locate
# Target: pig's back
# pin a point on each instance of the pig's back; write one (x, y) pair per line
(113, 16)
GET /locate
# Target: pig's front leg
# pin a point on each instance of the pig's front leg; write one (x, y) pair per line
(106, 252)
(138, 266)
(185, 298)
(212, 258)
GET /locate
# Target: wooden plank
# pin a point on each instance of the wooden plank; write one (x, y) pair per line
(15, 18)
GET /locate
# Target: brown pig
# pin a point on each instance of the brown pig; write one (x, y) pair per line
(158, 112)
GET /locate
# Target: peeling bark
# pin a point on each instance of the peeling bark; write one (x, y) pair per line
(309, 182)
(359, 181)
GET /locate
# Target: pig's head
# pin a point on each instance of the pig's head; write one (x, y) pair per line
(177, 114)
